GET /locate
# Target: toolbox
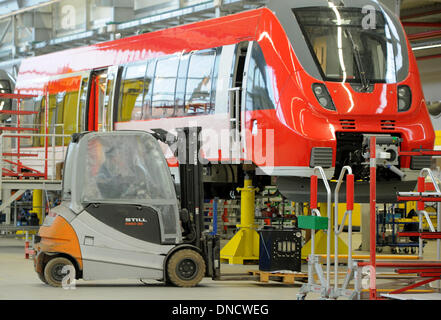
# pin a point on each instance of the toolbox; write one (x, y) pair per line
(280, 249)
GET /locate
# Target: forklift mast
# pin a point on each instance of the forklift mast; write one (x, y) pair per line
(190, 172)
(192, 196)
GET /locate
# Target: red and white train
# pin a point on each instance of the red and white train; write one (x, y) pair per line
(298, 83)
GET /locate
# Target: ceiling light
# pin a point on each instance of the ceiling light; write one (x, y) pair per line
(427, 47)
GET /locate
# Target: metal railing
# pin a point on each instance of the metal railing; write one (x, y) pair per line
(314, 265)
(338, 229)
(423, 213)
(41, 160)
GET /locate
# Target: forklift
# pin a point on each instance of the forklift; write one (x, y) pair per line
(120, 217)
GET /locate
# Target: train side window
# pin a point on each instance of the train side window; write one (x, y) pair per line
(199, 80)
(181, 84)
(52, 108)
(81, 116)
(164, 86)
(148, 90)
(260, 94)
(132, 86)
(39, 121)
(70, 115)
(58, 117)
(27, 121)
(214, 81)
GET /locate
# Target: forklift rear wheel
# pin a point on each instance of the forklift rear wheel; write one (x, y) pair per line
(186, 268)
(53, 271)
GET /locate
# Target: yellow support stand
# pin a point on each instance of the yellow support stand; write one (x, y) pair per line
(321, 239)
(37, 204)
(244, 246)
(37, 207)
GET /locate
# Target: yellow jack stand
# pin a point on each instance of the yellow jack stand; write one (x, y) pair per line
(321, 239)
(37, 207)
(244, 246)
(37, 204)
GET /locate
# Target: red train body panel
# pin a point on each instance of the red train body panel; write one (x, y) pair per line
(297, 123)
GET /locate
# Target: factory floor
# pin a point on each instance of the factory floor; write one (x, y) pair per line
(19, 281)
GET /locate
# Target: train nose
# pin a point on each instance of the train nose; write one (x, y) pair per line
(380, 99)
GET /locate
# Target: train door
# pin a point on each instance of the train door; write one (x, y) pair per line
(258, 108)
(102, 89)
(236, 99)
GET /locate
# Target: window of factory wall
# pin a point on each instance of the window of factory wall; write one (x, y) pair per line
(260, 94)
(164, 86)
(199, 81)
(132, 92)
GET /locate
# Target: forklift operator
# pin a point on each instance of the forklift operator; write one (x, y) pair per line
(109, 179)
(120, 172)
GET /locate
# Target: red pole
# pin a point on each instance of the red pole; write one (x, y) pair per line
(46, 141)
(373, 216)
(350, 192)
(420, 188)
(18, 139)
(313, 193)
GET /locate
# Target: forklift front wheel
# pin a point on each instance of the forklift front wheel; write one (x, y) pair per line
(186, 268)
(54, 271)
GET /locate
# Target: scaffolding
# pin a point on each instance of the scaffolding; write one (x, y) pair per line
(24, 166)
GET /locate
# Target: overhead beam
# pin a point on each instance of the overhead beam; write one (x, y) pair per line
(5, 30)
(422, 24)
(424, 35)
(30, 8)
(429, 11)
(434, 56)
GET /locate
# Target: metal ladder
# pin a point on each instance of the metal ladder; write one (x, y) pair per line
(314, 266)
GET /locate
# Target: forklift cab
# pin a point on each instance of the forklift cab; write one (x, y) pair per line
(125, 172)
(119, 216)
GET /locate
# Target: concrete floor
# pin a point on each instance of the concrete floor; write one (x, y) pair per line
(19, 281)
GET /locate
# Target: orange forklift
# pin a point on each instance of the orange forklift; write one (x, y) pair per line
(120, 217)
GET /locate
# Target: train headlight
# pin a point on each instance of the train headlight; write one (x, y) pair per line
(404, 98)
(323, 97)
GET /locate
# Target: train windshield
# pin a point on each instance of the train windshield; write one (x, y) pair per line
(350, 45)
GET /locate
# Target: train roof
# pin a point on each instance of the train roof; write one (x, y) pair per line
(194, 36)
